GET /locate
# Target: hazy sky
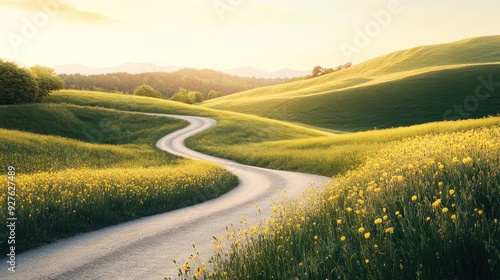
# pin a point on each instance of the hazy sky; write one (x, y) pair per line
(222, 34)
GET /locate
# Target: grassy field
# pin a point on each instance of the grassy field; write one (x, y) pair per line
(404, 207)
(270, 143)
(94, 167)
(426, 207)
(407, 87)
(328, 155)
(409, 202)
(87, 124)
(231, 129)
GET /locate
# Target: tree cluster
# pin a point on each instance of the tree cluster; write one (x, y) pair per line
(21, 85)
(193, 97)
(168, 83)
(320, 71)
(147, 90)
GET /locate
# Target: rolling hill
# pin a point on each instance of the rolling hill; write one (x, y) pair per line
(414, 86)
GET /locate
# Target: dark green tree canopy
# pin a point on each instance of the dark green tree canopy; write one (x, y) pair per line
(147, 90)
(47, 80)
(17, 85)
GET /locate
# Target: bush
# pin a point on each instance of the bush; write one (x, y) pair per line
(195, 97)
(190, 97)
(47, 80)
(17, 85)
(181, 96)
(146, 90)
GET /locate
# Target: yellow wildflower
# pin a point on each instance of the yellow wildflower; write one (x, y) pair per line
(467, 160)
(436, 203)
(186, 267)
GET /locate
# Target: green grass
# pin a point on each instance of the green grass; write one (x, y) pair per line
(329, 155)
(232, 128)
(82, 168)
(53, 205)
(427, 194)
(270, 143)
(408, 87)
(33, 153)
(87, 124)
(423, 208)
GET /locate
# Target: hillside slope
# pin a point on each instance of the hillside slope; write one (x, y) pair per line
(407, 87)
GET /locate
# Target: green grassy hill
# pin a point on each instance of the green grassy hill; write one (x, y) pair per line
(407, 87)
(80, 168)
(80, 142)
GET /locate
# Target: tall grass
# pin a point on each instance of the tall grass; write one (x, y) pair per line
(32, 153)
(52, 205)
(88, 124)
(326, 156)
(76, 183)
(424, 208)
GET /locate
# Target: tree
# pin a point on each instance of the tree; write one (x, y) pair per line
(17, 85)
(317, 71)
(320, 71)
(146, 90)
(47, 80)
(195, 97)
(214, 94)
(181, 96)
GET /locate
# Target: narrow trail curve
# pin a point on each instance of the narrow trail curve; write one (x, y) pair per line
(145, 248)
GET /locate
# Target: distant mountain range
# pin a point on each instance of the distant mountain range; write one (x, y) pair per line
(136, 68)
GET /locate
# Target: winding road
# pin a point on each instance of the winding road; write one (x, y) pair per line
(145, 248)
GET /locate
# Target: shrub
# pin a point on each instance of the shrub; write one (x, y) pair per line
(146, 90)
(17, 85)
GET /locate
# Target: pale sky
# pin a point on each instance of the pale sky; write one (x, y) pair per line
(223, 34)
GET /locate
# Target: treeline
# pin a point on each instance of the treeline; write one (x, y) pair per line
(320, 71)
(168, 83)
